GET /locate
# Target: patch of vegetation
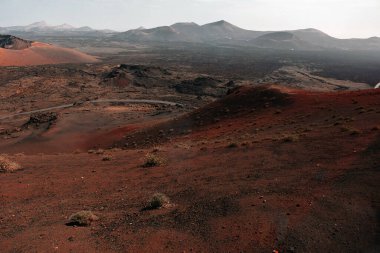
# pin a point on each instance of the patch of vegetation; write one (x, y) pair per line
(7, 165)
(157, 201)
(106, 158)
(232, 145)
(99, 151)
(290, 138)
(152, 160)
(82, 218)
(351, 130)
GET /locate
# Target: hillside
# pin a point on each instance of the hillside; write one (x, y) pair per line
(18, 52)
(282, 40)
(266, 168)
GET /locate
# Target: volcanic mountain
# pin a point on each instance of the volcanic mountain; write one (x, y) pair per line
(222, 32)
(19, 52)
(190, 32)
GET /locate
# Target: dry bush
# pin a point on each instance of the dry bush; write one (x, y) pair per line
(232, 145)
(289, 138)
(99, 151)
(7, 165)
(351, 130)
(152, 160)
(82, 218)
(158, 200)
(106, 158)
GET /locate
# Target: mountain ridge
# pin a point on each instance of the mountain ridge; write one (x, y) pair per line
(44, 27)
(223, 32)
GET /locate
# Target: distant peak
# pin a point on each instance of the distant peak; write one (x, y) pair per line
(39, 23)
(65, 25)
(221, 22)
(186, 24)
(312, 30)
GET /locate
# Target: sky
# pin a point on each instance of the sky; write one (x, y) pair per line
(339, 18)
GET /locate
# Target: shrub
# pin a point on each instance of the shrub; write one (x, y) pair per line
(99, 151)
(106, 158)
(7, 165)
(232, 145)
(351, 130)
(82, 218)
(152, 161)
(289, 138)
(158, 200)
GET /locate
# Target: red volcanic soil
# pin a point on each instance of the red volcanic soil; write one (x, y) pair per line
(263, 169)
(41, 54)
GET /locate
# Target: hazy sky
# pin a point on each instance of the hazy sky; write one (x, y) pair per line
(340, 18)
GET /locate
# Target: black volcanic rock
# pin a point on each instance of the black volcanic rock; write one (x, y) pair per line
(136, 75)
(203, 86)
(14, 43)
(45, 119)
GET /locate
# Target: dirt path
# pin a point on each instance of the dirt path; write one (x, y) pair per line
(134, 101)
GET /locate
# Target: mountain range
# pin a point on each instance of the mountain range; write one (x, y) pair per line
(42, 28)
(222, 32)
(217, 33)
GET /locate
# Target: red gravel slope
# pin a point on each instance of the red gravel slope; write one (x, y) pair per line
(41, 54)
(263, 169)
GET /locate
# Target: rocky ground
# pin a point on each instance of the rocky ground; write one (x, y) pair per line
(264, 168)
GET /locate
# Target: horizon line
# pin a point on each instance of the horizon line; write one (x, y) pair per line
(187, 22)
